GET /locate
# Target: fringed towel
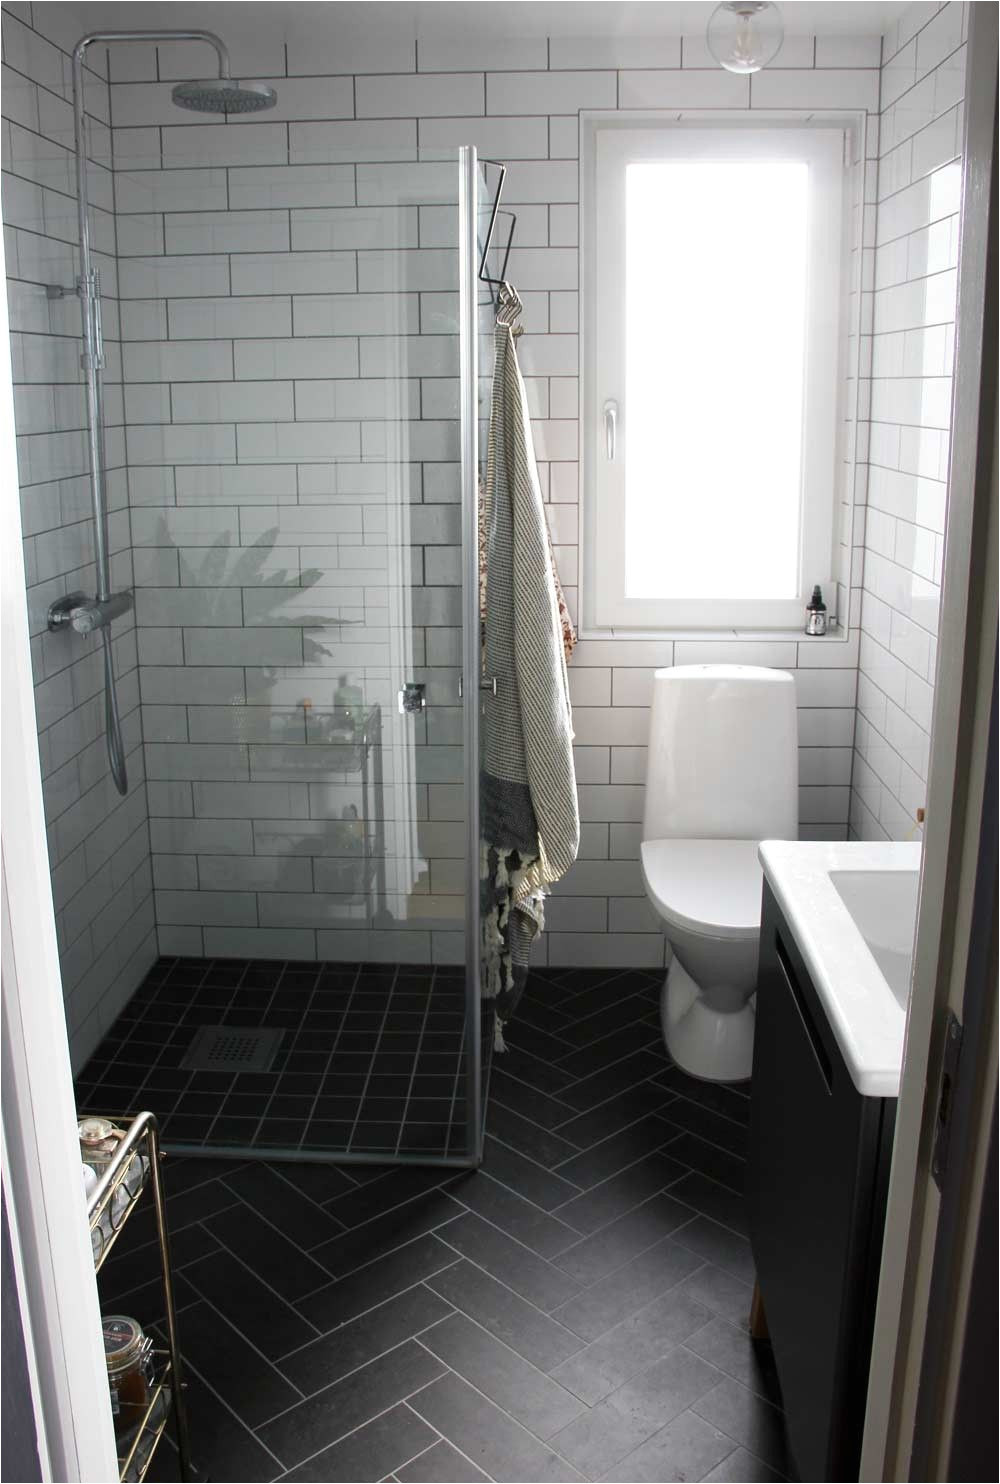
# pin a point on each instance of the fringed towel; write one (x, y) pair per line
(565, 617)
(530, 822)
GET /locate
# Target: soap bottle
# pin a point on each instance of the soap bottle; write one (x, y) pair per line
(816, 612)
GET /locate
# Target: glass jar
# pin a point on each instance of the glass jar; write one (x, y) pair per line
(129, 1356)
(99, 1140)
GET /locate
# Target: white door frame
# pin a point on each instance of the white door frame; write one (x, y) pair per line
(962, 698)
(43, 1186)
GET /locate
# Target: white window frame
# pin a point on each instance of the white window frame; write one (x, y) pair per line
(608, 144)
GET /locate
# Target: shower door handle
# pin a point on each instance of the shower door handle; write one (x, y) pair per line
(611, 427)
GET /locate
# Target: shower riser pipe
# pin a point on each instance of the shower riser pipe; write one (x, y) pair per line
(76, 611)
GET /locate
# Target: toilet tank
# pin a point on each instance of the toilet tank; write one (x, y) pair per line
(723, 759)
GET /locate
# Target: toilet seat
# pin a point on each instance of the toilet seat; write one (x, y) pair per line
(709, 887)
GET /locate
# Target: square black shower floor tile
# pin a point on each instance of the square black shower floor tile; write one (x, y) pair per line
(368, 1060)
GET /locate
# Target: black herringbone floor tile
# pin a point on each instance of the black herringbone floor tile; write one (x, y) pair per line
(610, 1118)
(371, 1285)
(542, 1145)
(616, 1426)
(441, 1464)
(526, 1393)
(340, 1351)
(383, 1234)
(387, 1441)
(620, 1193)
(607, 1363)
(575, 1309)
(631, 1287)
(328, 1415)
(608, 1156)
(497, 1444)
(708, 1159)
(541, 1108)
(533, 1334)
(267, 1321)
(524, 1176)
(717, 1244)
(518, 1217)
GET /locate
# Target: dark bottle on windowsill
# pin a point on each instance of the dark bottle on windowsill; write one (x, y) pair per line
(816, 612)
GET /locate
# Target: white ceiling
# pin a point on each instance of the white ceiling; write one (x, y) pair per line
(423, 18)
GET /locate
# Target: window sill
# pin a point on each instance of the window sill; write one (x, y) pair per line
(835, 635)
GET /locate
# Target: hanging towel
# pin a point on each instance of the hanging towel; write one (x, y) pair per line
(530, 824)
(565, 617)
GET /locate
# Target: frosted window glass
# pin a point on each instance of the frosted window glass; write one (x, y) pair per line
(716, 293)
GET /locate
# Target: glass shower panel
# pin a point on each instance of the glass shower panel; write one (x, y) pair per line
(294, 394)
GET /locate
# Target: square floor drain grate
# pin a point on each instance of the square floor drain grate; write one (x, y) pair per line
(224, 1048)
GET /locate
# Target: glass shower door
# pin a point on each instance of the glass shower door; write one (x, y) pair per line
(306, 580)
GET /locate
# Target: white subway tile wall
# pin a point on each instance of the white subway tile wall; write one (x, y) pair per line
(288, 332)
(261, 331)
(98, 842)
(912, 350)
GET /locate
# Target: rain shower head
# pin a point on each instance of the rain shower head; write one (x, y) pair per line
(224, 95)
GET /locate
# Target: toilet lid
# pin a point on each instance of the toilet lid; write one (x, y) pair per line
(712, 887)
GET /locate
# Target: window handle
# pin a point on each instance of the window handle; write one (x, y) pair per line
(611, 426)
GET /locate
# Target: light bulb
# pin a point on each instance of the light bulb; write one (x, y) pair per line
(744, 35)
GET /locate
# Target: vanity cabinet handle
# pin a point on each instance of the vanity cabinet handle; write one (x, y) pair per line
(805, 1014)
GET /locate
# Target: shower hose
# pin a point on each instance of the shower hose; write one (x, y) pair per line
(112, 719)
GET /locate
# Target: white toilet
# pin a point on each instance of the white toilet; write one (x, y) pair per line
(721, 775)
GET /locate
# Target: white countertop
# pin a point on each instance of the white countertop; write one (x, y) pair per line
(865, 1016)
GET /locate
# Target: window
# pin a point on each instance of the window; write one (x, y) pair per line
(713, 352)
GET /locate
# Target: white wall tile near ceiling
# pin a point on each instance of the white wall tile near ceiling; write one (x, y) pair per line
(920, 169)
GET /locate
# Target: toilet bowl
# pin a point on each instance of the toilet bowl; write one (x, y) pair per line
(722, 775)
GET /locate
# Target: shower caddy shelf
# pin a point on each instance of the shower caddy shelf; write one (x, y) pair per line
(142, 1143)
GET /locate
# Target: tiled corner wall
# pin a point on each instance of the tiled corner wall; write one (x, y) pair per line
(224, 375)
(98, 841)
(919, 187)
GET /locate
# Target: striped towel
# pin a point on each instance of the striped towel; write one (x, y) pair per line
(530, 823)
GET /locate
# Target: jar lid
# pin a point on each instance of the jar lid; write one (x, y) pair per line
(96, 1130)
(123, 1341)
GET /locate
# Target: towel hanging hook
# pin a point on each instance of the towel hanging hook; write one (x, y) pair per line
(496, 284)
(511, 306)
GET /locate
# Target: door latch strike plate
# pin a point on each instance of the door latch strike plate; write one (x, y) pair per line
(946, 1097)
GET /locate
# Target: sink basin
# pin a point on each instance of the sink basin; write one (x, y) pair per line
(883, 905)
(852, 906)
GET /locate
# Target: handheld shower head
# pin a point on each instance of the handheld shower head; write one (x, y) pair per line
(224, 95)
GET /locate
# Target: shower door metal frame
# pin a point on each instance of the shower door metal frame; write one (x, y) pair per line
(468, 299)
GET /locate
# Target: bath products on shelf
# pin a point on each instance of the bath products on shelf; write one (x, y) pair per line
(99, 1141)
(354, 833)
(348, 705)
(816, 612)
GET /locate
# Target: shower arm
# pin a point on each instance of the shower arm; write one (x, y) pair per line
(89, 287)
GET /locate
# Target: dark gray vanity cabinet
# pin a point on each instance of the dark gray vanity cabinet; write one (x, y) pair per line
(817, 1180)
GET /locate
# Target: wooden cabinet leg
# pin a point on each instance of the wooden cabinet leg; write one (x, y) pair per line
(758, 1319)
